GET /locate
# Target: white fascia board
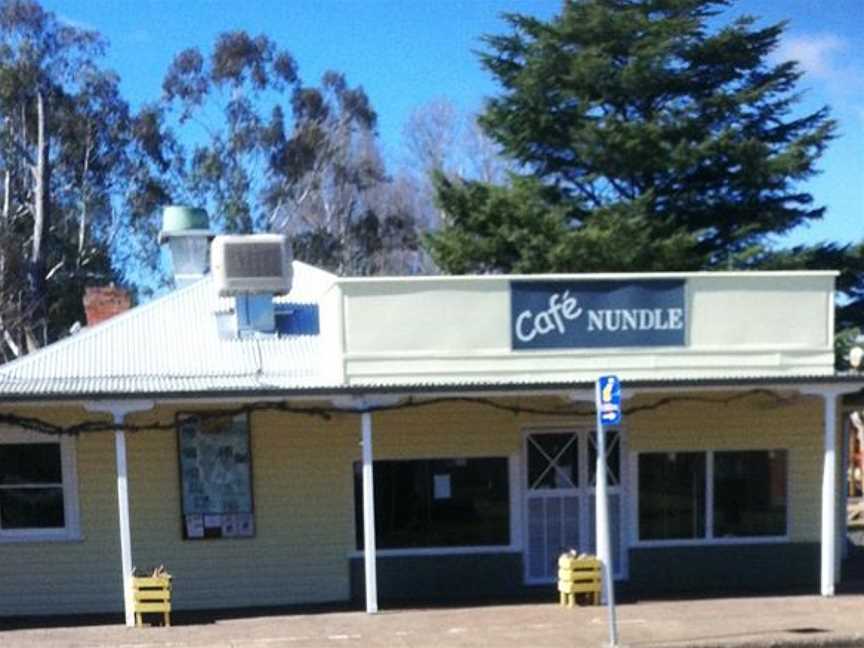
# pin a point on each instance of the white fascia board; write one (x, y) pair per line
(118, 408)
(347, 281)
(807, 389)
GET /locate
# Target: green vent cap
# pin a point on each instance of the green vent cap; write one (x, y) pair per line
(183, 221)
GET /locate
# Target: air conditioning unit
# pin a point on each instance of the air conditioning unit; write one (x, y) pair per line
(251, 264)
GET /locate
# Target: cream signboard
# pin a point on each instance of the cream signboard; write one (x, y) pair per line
(596, 314)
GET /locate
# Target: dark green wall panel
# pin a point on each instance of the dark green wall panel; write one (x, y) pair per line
(654, 571)
(445, 578)
(763, 567)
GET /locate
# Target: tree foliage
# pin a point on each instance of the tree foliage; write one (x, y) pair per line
(78, 173)
(438, 137)
(63, 141)
(83, 177)
(283, 156)
(440, 140)
(656, 140)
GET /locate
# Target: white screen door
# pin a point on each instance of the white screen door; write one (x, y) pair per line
(559, 498)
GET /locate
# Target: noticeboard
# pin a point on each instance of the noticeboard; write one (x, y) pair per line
(216, 477)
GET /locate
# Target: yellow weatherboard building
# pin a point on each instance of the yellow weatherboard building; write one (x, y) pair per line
(327, 439)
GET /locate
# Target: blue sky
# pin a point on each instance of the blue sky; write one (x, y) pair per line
(408, 52)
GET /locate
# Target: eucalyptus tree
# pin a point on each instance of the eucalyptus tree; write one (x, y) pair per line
(269, 153)
(439, 137)
(329, 187)
(79, 176)
(58, 114)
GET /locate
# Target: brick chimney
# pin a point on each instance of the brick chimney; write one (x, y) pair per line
(104, 302)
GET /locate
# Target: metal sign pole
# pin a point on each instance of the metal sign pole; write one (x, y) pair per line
(602, 520)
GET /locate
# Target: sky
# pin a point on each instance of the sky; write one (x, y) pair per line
(406, 53)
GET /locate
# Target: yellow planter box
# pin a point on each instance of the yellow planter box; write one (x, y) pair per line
(579, 574)
(152, 594)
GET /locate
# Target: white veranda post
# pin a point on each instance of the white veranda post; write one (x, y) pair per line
(118, 411)
(829, 496)
(123, 514)
(829, 563)
(369, 516)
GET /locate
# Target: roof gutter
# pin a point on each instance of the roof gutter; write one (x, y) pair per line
(852, 380)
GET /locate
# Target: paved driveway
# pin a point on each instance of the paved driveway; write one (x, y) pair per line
(764, 621)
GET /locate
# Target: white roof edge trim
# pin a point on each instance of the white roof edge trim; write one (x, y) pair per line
(316, 269)
(591, 276)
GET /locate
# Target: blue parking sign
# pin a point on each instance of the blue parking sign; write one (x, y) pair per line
(609, 405)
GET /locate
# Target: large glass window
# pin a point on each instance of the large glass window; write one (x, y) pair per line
(37, 494)
(750, 493)
(31, 486)
(437, 503)
(672, 496)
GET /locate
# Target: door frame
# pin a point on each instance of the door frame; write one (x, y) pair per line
(585, 491)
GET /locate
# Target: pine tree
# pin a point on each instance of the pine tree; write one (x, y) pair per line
(653, 138)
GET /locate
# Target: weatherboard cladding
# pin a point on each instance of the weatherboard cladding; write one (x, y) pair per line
(298, 555)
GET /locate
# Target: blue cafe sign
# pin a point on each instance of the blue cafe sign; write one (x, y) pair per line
(594, 314)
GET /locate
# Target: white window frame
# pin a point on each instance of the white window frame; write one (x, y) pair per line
(68, 465)
(515, 545)
(710, 538)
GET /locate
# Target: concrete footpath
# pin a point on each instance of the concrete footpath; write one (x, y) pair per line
(729, 622)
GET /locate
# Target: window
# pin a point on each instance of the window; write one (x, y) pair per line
(38, 499)
(553, 460)
(216, 477)
(712, 495)
(613, 458)
(750, 493)
(437, 503)
(672, 496)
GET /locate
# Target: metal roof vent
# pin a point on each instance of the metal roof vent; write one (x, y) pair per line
(186, 230)
(251, 264)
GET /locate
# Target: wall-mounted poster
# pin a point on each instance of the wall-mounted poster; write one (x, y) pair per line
(216, 477)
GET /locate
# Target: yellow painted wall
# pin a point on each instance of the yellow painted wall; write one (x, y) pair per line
(302, 486)
(303, 495)
(302, 490)
(447, 430)
(75, 576)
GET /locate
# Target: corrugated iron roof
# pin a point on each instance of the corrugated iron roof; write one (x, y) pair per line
(172, 344)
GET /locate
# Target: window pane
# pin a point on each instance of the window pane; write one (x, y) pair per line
(31, 508)
(30, 463)
(538, 566)
(553, 461)
(671, 495)
(437, 503)
(613, 458)
(750, 493)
